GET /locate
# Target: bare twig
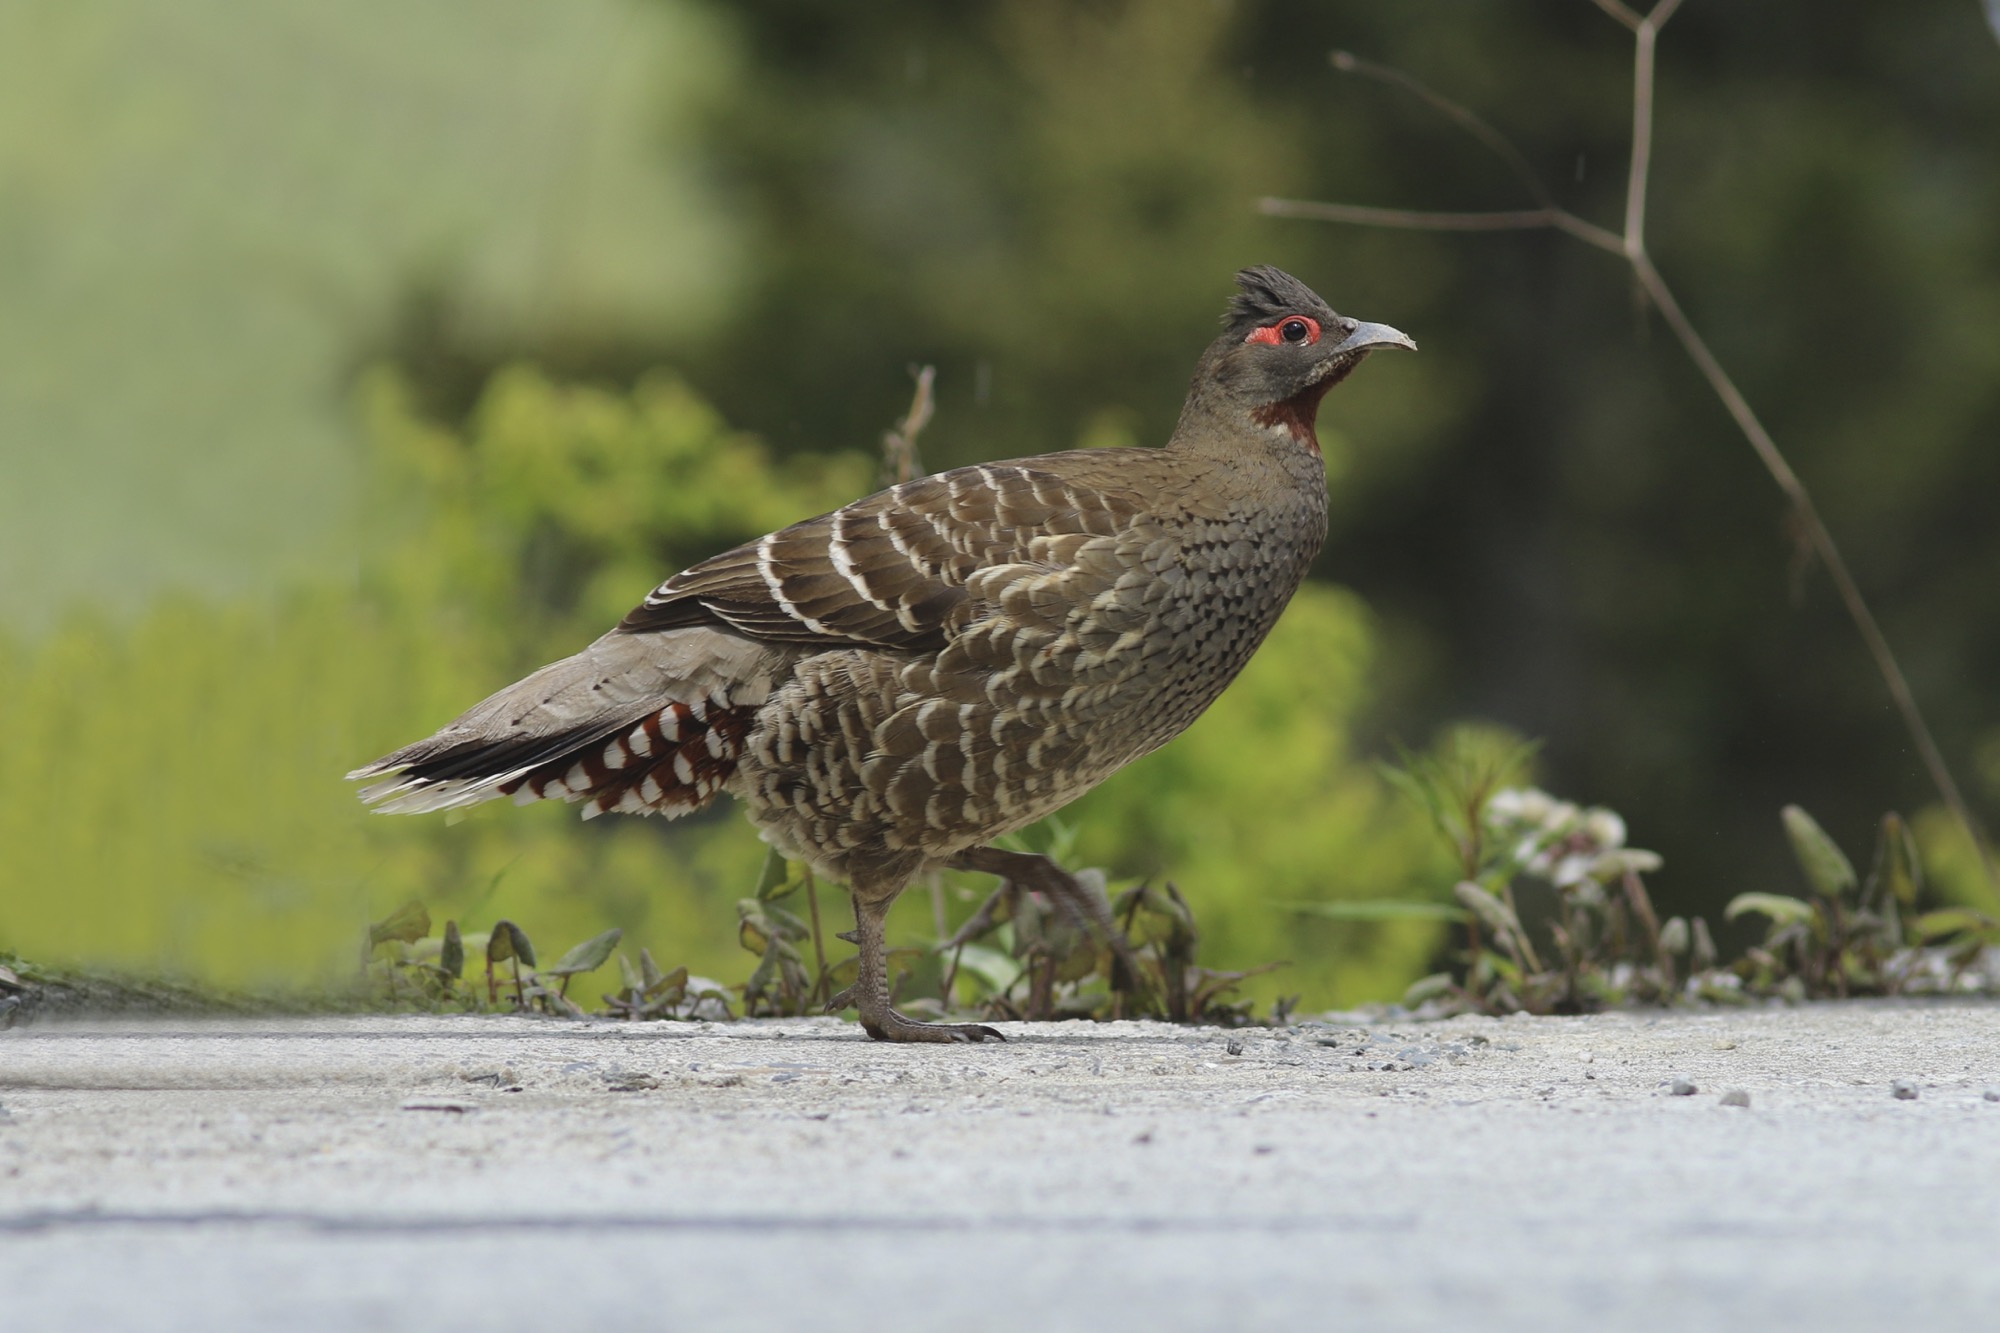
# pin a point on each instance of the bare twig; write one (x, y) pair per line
(1413, 220)
(1645, 38)
(1619, 12)
(899, 447)
(1631, 246)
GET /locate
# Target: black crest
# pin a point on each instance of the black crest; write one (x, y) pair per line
(1268, 293)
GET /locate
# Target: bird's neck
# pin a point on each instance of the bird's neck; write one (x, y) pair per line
(1226, 426)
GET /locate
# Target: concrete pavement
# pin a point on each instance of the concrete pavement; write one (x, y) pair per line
(408, 1172)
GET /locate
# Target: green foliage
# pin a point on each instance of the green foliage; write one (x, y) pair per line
(1593, 938)
(1850, 936)
(560, 506)
(402, 967)
(1831, 873)
(214, 212)
(1045, 964)
(1590, 937)
(1955, 870)
(1454, 782)
(171, 798)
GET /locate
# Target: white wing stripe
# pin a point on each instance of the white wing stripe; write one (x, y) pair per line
(843, 561)
(768, 570)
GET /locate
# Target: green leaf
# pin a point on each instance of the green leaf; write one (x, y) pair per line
(991, 966)
(500, 942)
(752, 932)
(1379, 909)
(779, 878)
(588, 956)
(1488, 908)
(1827, 867)
(523, 950)
(762, 976)
(1899, 870)
(406, 925)
(1949, 921)
(785, 923)
(1783, 909)
(1704, 946)
(1675, 936)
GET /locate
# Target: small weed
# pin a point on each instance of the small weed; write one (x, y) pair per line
(1854, 936)
(1557, 918)
(1551, 905)
(1020, 956)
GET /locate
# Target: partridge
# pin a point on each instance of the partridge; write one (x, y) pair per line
(890, 687)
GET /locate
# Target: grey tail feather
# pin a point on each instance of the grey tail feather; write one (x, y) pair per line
(563, 710)
(451, 772)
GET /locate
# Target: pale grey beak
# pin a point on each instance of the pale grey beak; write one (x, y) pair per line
(1366, 336)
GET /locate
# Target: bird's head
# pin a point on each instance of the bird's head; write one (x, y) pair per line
(1281, 349)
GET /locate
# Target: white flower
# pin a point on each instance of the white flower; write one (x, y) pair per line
(1519, 805)
(1573, 868)
(1574, 849)
(1613, 864)
(1605, 828)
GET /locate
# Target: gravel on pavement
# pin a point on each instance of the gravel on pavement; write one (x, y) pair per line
(1831, 1166)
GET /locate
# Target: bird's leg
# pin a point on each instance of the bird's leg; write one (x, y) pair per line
(1025, 870)
(871, 986)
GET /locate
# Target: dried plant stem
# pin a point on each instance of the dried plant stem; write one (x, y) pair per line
(1631, 247)
(1619, 12)
(951, 975)
(819, 940)
(899, 447)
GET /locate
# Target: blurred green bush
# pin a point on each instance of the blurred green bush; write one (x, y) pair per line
(171, 794)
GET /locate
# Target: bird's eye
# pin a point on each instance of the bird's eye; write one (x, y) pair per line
(1295, 329)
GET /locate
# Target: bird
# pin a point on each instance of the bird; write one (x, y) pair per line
(890, 687)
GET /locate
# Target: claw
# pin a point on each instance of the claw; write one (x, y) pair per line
(899, 1028)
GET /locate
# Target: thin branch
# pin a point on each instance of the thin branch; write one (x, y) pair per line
(899, 446)
(1619, 12)
(1631, 246)
(1644, 40)
(1499, 144)
(1413, 220)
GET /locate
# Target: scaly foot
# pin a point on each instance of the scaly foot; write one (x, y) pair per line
(895, 1027)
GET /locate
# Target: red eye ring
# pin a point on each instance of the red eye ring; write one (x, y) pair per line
(1294, 329)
